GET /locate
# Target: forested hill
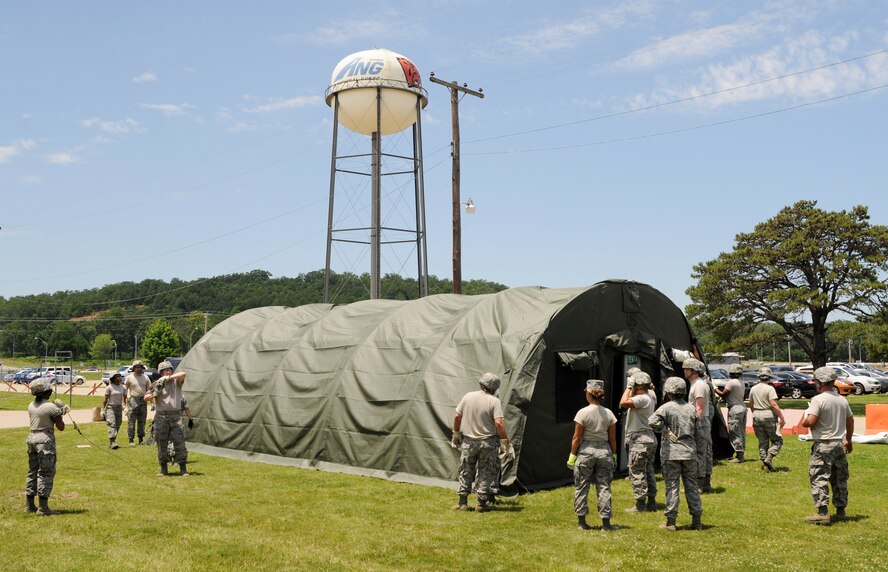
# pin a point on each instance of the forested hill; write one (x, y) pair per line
(71, 319)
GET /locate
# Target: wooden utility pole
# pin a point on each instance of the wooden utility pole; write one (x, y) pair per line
(455, 90)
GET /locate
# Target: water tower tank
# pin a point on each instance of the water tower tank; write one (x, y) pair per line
(355, 81)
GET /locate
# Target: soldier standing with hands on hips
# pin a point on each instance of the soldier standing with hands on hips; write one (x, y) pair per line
(112, 405)
(166, 393)
(136, 386)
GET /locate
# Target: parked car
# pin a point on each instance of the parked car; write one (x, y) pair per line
(881, 379)
(862, 383)
(64, 378)
(125, 370)
(788, 385)
(780, 367)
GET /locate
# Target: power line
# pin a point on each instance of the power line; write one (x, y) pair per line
(675, 101)
(685, 129)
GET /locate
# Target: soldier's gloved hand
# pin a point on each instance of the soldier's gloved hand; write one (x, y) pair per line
(456, 439)
(571, 461)
(191, 423)
(508, 450)
(670, 436)
(61, 405)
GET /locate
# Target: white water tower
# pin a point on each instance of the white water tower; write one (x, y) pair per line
(377, 93)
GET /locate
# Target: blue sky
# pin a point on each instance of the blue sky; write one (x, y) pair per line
(617, 139)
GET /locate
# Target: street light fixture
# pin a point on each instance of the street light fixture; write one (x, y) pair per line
(191, 338)
(115, 351)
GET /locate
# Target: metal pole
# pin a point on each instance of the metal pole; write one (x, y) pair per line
(332, 188)
(375, 217)
(455, 89)
(849, 352)
(419, 186)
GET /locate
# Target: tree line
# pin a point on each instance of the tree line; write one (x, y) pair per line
(123, 313)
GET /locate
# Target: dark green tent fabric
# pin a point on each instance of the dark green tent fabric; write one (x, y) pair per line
(370, 388)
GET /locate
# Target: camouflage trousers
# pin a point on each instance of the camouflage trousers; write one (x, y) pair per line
(41, 464)
(642, 447)
(138, 414)
(770, 440)
(594, 465)
(737, 427)
(169, 428)
(703, 440)
(478, 466)
(828, 467)
(114, 418)
(673, 472)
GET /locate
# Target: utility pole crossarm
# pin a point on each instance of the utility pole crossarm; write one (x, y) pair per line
(455, 89)
(453, 85)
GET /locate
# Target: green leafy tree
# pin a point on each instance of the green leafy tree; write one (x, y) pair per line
(160, 341)
(102, 347)
(794, 270)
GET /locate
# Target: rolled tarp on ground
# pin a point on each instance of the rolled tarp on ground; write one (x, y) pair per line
(371, 387)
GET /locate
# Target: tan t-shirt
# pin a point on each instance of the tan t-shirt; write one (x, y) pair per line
(137, 385)
(832, 411)
(595, 420)
(42, 417)
(479, 411)
(637, 417)
(114, 392)
(735, 390)
(701, 389)
(169, 398)
(760, 397)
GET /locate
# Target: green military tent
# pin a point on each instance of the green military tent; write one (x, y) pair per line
(370, 388)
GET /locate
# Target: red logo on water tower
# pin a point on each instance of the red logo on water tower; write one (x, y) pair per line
(410, 72)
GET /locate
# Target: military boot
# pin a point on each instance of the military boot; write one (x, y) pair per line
(131, 444)
(163, 470)
(738, 458)
(670, 525)
(822, 516)
(840, 514)
(483, 506)
(44, 509)
(639, 506)
(767, 462)
(29, 504)
(651, 504)
(706, 485)
(606, 525)
(113, 444)
(463, 504)
(183, 470)
(696, 522)
(582, 524)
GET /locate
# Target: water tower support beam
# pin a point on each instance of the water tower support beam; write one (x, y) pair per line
(332, 189)
(419, 187)
(375, 184)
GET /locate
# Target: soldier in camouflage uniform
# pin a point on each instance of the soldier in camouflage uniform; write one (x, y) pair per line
(767, 418)
(592, 456)
(137, 384)
(478, 427)
(113, 407)
(44, 417)
(679, 423)
(701, 397)
(733, 396)
(641, 442)
(831, 423)
(166, 392)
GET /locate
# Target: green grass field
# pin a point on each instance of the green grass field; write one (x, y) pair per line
(233, 515)
(12, 401)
